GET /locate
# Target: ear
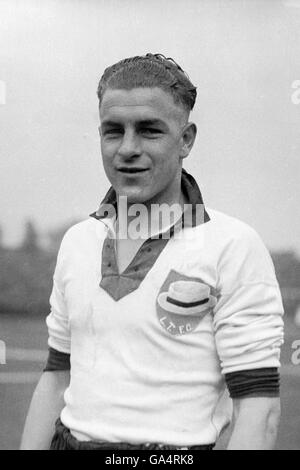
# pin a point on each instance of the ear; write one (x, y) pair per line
(188, 137)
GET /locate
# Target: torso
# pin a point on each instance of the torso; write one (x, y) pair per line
(126, 249)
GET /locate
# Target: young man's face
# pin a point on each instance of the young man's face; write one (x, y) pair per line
(143, 142)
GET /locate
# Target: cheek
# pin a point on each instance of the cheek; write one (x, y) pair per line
(162, 149)
(107, 152)
(104, 148)
(167, 157)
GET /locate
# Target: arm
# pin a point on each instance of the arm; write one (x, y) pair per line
(249, 333)
(45, 408)
(255, 423)
(48, 398)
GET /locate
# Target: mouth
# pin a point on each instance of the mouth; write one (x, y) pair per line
(132, 170)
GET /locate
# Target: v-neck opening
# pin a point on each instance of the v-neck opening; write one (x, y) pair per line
(117, 284)
(132, 262)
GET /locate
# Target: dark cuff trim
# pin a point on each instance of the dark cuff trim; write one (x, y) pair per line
(256, 382)
(57, 361)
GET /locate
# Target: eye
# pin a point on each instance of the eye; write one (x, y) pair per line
(113, 132)
(151, 131)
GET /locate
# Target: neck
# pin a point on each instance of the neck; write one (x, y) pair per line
(142, 220)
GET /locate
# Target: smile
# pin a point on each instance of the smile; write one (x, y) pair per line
(132, 170)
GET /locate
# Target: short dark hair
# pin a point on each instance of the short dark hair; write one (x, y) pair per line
(149, 71)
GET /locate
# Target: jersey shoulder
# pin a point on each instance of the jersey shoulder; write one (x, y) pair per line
(230, 227)
(83, 232)
(236, 242)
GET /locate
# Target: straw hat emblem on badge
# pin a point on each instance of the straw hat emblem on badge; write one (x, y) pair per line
(182, 307)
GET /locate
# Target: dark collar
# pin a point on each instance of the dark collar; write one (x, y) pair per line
(190, 190)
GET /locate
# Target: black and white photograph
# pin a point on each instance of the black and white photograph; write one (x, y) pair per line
(149, 227)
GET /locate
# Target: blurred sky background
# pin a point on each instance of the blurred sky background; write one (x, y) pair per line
(243, 55)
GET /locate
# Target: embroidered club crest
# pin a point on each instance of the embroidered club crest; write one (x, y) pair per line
(183, 303)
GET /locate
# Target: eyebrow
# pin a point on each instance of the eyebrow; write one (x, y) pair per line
(109, 124)
(152, 122)
(143, 122)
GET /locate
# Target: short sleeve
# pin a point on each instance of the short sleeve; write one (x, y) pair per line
(57, 361)
(57, 321)
(248, 321)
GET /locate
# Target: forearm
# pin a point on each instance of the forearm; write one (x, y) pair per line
(46, 405)
(252, 436)
(255, 424)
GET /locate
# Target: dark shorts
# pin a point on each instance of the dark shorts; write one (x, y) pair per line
(64, 440)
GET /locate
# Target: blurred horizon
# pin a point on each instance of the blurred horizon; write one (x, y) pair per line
(27, 272)
(243, 56)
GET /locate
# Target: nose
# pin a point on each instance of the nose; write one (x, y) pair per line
(129, 146)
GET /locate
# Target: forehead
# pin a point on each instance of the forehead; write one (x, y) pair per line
(139, 103)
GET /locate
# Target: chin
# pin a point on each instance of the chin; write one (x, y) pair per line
(134, 196)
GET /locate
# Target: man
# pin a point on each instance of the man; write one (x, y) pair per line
(155, 326)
